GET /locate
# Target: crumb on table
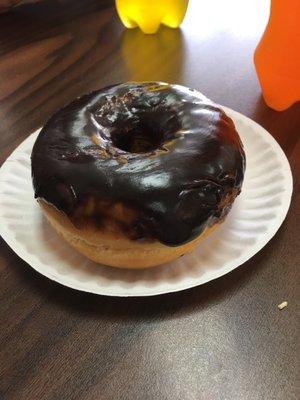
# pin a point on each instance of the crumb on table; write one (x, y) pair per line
(282, 305)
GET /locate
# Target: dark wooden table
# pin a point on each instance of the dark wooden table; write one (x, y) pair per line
(224, 340)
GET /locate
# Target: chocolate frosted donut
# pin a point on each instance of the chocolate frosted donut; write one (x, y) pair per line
(160, 162)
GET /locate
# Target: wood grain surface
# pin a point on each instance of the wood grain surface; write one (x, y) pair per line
(224, 340)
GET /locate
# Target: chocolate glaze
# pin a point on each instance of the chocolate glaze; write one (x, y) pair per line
(163, 150)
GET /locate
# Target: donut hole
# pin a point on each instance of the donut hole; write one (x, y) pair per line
(139, 139)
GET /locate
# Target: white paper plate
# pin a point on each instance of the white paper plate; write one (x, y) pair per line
(254, 219)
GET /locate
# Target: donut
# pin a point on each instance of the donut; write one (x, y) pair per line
(136, 174)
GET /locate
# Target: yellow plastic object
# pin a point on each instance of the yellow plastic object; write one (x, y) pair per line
(149, 14)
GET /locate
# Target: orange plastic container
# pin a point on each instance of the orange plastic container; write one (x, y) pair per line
(277, 56)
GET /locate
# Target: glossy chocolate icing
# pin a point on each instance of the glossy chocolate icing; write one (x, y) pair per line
(163, 150)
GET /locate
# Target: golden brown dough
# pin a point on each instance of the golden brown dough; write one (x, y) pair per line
(114, 248)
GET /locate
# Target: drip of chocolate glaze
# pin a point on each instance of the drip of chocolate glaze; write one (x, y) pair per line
(163, 150)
